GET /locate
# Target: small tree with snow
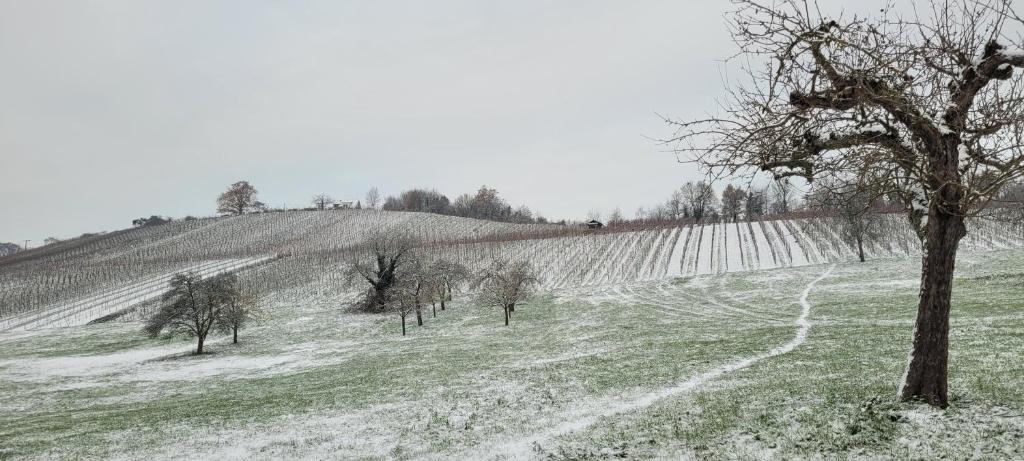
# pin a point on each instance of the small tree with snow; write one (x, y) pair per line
(448, 276)
(241, 306)
(400, 301)
(853, 203)
(506, 284)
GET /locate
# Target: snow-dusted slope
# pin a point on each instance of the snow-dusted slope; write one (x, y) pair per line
(312, 249)
(614, 257)
(86, 309)
(72, 270)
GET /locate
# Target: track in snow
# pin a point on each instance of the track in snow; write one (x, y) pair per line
(523, 447)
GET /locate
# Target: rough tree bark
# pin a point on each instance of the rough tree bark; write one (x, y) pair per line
(926, 376)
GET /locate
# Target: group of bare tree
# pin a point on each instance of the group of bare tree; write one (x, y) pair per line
(699, 201)
(401, 279)
(926, 105)
(486, 203)
(194, 306)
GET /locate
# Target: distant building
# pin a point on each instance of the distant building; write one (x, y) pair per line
(343, 205)
(594, 224)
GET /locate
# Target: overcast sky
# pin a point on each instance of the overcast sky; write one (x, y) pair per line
(113, 110)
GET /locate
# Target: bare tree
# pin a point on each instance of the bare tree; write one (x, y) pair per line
(732, 202)
(240, 306)
(416, 280)
(399, 300)
(373, 198)
(930, 107)
(754, 205)
(238, 199)
(781, 196)
(321, 201)
(700, 198)
(506, 284)
(447, 275)
(192, 306)
(615, 216)
(853, 203)
(378, 264)
(675, 206)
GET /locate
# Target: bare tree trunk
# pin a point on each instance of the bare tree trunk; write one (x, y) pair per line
(926, 374)
(199, 346)
(403, 325)
(506, 315)
(442, 303)
(419, 316)
(234, 331)
(433, 307)
(512, 307)
(860, 246)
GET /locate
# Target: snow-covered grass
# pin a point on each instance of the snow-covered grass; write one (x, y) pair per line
(638, 369)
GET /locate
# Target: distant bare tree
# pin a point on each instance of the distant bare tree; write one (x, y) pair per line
(373, 198)
(930, 107)
(522, 215)
(238, 199)
(732, 202)
(700, 198)
(240, 306)
(506, 284)
(755, 205)
(675, 206)
(379, 264)
(615, 216)
(854, 204)
(781, 196)
(322, 201)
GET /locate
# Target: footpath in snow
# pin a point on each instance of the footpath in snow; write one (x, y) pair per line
(577, 421)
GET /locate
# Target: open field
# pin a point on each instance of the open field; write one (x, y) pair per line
(792, 362)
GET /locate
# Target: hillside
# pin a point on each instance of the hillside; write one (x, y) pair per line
(80, 281)
(791, 363)
(66, 271)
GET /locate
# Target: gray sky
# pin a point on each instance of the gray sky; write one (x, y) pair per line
(111, 110)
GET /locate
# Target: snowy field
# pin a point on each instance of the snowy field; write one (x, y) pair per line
(786, 363)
